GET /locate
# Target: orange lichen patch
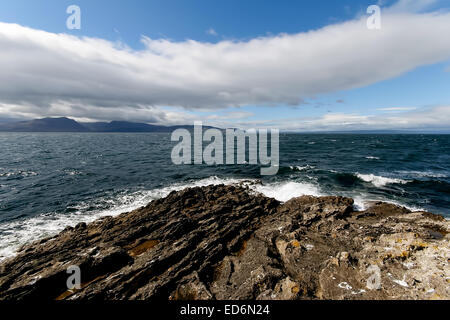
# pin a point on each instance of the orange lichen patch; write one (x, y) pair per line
(405, 254)
(419, 245)
(319, 293)
(70, 292)
(436, 296)
(334, 261)
(143, 247)
(66, 294)
(242, 249)
(295, 289)
(295, 243)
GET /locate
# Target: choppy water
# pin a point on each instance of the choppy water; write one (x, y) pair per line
(49, 181)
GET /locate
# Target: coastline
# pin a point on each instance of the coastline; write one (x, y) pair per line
(228, 242)
(16, 233)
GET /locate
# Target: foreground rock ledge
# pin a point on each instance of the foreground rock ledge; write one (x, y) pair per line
(223, 242)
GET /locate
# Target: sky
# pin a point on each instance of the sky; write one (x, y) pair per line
(310, 65)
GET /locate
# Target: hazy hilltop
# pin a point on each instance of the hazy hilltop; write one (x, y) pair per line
(64, 124)
(44, 125)
(69, 125)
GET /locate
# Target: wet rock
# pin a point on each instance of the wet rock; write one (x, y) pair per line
(225, 242)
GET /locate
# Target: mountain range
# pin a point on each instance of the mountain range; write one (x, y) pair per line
(69, 125)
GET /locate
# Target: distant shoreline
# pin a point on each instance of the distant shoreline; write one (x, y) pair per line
(66, 125)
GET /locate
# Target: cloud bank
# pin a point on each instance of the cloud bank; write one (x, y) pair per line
(426, 119)
(44, 73)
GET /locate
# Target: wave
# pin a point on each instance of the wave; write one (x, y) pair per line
(73, 172)
(18, 173)
(422, 174)
(372, 158)
(302, 168)
(379, 181)
(284, 191)
(363, 202)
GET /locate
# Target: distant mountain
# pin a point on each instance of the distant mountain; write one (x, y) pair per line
(124, 126)
(44, 125)
(70, 125)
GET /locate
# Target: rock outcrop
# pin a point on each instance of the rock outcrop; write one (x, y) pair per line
(225, 242)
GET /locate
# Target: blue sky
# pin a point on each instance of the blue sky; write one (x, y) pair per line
(181, 19)
(420, 87)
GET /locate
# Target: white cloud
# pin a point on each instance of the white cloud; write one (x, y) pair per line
(212, 32)
(45, 73)
(397, 109)
(233, 115)
(423, 119)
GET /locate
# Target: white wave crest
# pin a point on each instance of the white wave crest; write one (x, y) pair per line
(363, 202)
(302, 168)
(379, 181)
(284, 191)
(18, 173)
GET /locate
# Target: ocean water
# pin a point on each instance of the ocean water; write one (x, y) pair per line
(52, 180)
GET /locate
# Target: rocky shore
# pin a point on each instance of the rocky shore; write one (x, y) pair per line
(225, 242)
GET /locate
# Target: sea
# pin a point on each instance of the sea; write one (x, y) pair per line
(52, 180)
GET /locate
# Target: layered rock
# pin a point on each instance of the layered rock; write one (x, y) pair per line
(225, 242)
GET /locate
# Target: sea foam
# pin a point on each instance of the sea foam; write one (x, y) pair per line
(379, 181)
(284, 191)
